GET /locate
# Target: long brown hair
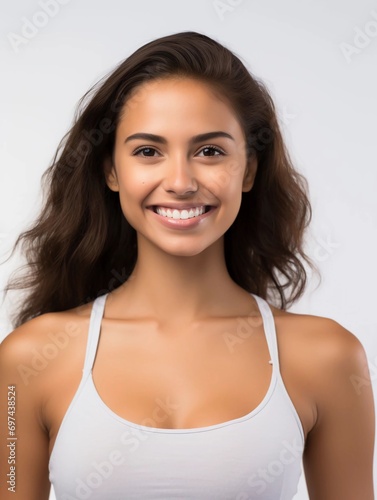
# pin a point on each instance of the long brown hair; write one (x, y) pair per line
(81, 246)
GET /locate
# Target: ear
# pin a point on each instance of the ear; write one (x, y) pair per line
(111, 175)
(250, 172)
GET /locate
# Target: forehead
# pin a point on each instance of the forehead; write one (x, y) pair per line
(178, 101)
(170, 83)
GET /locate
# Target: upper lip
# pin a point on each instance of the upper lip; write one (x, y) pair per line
(180, 206)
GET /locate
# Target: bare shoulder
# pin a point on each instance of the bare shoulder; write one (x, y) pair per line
(316, 331)
(36, 331)
(18, 344)
(325, 350)
(34, 348)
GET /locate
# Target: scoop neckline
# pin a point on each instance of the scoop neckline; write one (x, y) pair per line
(189, 430)
(252, 413)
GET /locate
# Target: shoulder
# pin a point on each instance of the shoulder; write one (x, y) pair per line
(329, 355)
(38, 344)
(327, 338)
(317, 332)
(35, 332)
(18, 344)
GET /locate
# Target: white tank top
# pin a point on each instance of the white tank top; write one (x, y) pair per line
(99, 455)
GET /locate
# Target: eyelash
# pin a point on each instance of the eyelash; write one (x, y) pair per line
(209, 146)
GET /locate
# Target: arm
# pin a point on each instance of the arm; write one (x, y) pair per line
(338, 457)
(31, 447)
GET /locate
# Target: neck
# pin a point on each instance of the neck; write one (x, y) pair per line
(180, 288)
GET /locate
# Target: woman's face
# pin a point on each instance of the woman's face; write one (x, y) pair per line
(167, 175)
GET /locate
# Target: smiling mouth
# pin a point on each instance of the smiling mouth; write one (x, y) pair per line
(185, 213)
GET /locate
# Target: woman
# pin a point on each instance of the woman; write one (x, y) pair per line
(146, 361)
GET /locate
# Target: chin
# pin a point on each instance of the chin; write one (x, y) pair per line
(183, 251)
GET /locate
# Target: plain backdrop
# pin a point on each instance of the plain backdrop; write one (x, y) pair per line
(318, 59)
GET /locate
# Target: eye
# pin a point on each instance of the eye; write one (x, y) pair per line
(211, 149)
(148, 152)
(207, 150)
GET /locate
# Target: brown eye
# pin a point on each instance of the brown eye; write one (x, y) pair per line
(211, 150)
(146, 152)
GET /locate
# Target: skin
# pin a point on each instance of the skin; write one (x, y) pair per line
(180, 301)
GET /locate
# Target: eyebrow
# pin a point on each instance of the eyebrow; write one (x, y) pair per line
(193, 140)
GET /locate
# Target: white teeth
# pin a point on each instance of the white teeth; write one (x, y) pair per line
(180, 214)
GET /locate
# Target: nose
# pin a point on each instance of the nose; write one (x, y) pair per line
(179, 177)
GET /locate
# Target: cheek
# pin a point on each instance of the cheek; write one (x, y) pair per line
(226, 183)
(134, 182)
(133, 189)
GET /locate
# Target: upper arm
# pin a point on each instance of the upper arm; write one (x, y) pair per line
(338, 457)
(27, 448)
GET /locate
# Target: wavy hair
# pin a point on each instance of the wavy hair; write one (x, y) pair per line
(81, 245)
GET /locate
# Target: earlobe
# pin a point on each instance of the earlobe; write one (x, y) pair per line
(110, 175)
(250, 172)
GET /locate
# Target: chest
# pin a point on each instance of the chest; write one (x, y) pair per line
(164, 379)
(204, 381)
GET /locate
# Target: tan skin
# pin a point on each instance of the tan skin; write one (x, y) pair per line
(180, 301)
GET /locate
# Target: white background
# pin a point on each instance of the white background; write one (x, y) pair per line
(318, 59)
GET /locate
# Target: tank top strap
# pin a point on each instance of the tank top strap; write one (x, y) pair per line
(98, 310)
(269, 329)
(96, 315)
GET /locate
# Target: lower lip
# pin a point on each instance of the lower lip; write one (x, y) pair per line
(182, 223)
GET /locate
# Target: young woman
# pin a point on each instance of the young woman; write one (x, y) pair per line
(148, 360)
